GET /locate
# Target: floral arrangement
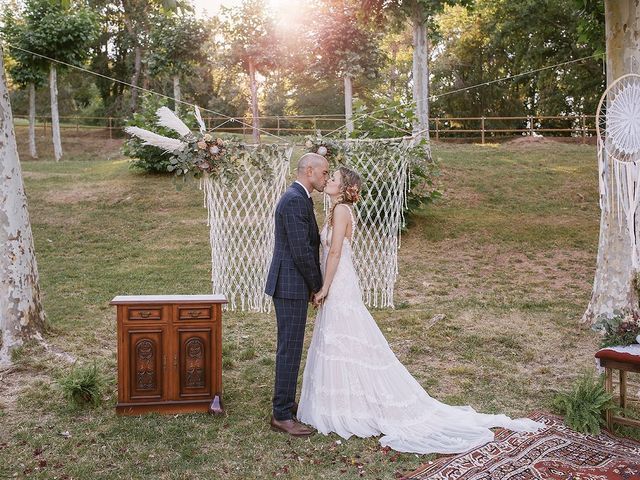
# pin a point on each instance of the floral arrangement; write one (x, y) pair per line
(195, 155)
(621, 329)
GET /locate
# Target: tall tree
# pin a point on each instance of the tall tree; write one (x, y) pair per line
(21, 312)
(420, 14)
(250, 36)
(616, 283)
(63, 33)
(26, 71)
(345, 48)
(176, 47)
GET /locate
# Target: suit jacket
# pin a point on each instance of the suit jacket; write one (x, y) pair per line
(295, 268)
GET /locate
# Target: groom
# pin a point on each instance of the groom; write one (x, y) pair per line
(294, 276)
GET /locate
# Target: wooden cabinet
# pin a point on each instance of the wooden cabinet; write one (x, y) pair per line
(169, 353)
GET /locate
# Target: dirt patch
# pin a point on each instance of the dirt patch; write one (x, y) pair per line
(107, 192)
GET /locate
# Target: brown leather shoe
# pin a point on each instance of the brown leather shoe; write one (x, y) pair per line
(292, 427)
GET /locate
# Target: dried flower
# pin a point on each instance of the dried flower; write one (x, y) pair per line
(322, 150)
(202, 145)
(214, 150)
(207, 137)
(308, 144)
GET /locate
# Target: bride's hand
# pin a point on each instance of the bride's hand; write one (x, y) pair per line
(320, 296)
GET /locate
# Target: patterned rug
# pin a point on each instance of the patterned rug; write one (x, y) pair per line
(555, 452)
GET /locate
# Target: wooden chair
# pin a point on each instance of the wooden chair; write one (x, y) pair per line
(611, 360)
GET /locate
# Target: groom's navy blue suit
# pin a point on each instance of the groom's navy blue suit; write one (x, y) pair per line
(294, 274)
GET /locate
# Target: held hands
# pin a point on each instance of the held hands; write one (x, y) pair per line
(319, 297)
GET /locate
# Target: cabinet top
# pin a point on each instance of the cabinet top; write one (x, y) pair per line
(127, 299)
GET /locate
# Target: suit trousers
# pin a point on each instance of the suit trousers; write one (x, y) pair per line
(291, 316)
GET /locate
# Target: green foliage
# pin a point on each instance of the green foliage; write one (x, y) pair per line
(58, 32)
(591, 24)
(343, 46)
(619, 329)
(146, 157)
(83, 385)
(25, 69)
(486, 42)
(584, 405)
(250, 36)
(176, 44)
(228, 162)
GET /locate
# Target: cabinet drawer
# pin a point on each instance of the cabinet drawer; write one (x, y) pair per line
(144, 313)
(195, 312)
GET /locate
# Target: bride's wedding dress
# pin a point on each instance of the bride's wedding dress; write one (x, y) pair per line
(354, 385)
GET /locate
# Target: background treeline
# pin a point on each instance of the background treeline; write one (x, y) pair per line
(298, 64)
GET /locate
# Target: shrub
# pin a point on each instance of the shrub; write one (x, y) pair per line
(83, 385)
(146, 157)
(583, 407)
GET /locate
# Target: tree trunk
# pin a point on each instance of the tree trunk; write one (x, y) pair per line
(32, 121)
(21, 312)
(55, 119)
(176, 93)
(135, 78)
(420, 75)
(254, 103)
(348, 104)
(614, 286)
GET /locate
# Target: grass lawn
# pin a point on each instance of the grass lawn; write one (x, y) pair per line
(493, 281)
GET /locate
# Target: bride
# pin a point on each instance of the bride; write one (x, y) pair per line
(352, 383)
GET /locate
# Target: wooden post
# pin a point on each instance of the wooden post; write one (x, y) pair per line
(44, 127)
(77, 124)
(110, 127)
(278, 127)
(315, 126)
(584, 129)
(437, 129)
(608, 386)
(530, 125)
(623, 391)
(482, 127)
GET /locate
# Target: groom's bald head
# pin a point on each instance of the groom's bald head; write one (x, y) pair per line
(313, 171)
(310, 160)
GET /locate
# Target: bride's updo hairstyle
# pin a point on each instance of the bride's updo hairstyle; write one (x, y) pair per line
(350, 183)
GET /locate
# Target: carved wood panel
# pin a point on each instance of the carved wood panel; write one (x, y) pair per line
(195, 361)
(146, 355)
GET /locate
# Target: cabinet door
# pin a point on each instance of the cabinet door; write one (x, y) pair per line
(194, 357)
(145, 377)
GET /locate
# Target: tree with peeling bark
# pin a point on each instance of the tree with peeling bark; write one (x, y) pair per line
(616, 285)
(63, 33)
(21, 313)
(250, 40)
(26, 71)
(176, 47)
(346, 48)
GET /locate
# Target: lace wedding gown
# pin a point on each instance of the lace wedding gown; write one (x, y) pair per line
(354, 385)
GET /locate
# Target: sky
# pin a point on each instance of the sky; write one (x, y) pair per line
(213, 6)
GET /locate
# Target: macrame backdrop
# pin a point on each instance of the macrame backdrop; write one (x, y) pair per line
(384, 168)
(241, 221)
(619, 155)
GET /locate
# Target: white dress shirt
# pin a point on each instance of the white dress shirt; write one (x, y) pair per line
(305, 188)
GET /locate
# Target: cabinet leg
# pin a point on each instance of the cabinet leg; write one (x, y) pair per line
(608, 386)
(623, 390)
(216, 407)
